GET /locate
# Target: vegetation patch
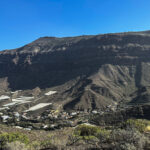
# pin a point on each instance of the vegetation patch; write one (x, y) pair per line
(89, 132)
(140, 124)
(12, 137)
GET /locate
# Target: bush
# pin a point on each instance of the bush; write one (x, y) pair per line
(128, 139)
(139, 124)
(90, 132)
(35, 145)
(47, 145)
(15, 146)
(12, 137)
(86, 130)
(127, 146)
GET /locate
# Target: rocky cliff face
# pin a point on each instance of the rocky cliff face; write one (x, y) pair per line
(90, 71)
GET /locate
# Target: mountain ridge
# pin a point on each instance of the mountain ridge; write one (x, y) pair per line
(91, 72)
(81, 36)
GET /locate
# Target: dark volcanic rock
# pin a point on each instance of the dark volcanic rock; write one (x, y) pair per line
(99, 69)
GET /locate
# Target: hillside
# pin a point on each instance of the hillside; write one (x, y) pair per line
(88, 72)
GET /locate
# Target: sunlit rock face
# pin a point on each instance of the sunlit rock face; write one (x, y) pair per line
(92, 71)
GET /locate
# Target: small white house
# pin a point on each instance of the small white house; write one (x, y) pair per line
(16, 114)
(5, 118)
(73, 113)
(94, 112)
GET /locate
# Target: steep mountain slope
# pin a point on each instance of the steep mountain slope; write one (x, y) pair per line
(88, 72)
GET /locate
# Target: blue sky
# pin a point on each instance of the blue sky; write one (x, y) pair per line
(22, 21)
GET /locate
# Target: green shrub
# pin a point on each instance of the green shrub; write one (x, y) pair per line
(12, 137)
(47, 145)
(139, 124)
(104, 134)
(87, 132)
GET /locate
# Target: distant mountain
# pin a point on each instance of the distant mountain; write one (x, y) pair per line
(88, 72)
